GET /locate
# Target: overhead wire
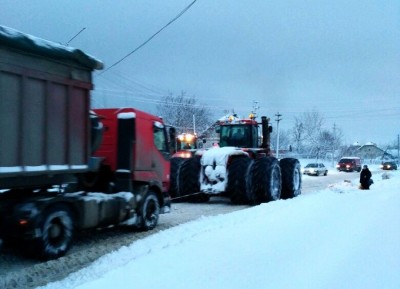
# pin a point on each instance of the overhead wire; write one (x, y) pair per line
(151, 37)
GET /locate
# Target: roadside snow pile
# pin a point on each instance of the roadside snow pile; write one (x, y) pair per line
(340, 237)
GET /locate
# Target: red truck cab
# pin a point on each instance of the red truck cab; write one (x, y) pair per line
(135, 143)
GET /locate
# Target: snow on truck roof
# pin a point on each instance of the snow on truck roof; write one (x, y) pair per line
(18, 40)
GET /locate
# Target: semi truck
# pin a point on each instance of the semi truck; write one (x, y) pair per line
(241, 168)
(66, 167)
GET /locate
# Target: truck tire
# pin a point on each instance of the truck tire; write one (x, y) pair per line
(149, 211)
(291, 178)
(237, 177)
(57, 226)
(189, 183)
(264, 180)
(173, 185)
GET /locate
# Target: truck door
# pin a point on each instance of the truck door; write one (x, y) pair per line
(160, 159)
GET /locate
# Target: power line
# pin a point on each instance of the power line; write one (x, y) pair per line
(151, 37)
(66, 44)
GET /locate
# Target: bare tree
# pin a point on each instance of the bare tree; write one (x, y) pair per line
(184, 113)
(310, 135)
(298, 134)
(284, 139)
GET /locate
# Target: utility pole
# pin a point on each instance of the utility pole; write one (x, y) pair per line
(255, 108)
(194, 124)
(334, 145)
(398, 149)
(278, 119)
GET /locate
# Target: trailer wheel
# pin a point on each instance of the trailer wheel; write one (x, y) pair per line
(149, 211)
(291, 178)
(188, 181)
(57, 228)
(173, 186)
(237, 176)
(264, 180)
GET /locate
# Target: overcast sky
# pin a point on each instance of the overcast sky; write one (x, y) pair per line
(340, 58)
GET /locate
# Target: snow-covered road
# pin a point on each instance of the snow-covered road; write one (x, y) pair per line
(338, 237)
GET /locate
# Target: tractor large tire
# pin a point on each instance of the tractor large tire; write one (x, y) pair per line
(291, 178)
(264, 180)
(189, 181)
(149, 211)
(173, 186)
(57, 226)
(237, 178)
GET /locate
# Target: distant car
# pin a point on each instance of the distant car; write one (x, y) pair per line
(315, 169)
(349, 164)
(389, 166)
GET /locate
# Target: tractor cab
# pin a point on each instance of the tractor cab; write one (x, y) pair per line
(242, 133)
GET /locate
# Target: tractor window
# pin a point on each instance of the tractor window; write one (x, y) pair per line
(235, 135)
(160, 140)
(255, 137)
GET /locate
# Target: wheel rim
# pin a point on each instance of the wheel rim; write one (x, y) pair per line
(56, 232)
(150, 212)
(296, 179)
(276, 188)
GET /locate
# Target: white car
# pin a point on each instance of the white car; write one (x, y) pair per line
(315, 169)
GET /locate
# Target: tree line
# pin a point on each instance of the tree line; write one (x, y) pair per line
(310, 136)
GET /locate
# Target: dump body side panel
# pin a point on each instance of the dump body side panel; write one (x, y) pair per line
(44, 118)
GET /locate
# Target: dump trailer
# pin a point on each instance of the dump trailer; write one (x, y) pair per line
(242, 167)
(63, 166)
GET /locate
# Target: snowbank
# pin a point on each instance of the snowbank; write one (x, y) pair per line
(340, 237)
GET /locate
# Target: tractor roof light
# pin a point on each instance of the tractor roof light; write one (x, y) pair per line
(189, 137)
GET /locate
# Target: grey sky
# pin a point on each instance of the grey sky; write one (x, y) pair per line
(341, 58)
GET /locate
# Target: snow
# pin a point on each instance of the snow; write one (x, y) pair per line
(19, 40)
(158, 124)
(126, 115)
(339, 237)
(214, 160)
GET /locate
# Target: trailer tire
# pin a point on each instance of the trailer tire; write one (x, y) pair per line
(57, 226)
(189, 183)
(264, 180)
(173, 186)
(149, 211)
(237, 177)
(291, 178)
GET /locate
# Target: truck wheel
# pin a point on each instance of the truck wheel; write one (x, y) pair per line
(291, 178)
(173, 185)
(264, 180)
(149, 211)
(57, 227)
(188, 180)
(237, 176)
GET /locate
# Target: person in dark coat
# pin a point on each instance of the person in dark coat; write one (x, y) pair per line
(365, 178)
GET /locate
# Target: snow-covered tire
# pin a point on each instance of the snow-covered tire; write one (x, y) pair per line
(189, 181)
(149, 211)
(291, 178)
(237, 178)
(264, 180)
(57, 227)
(173, 186)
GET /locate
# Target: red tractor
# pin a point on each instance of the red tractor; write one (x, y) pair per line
(185, 147)
(241, 168)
